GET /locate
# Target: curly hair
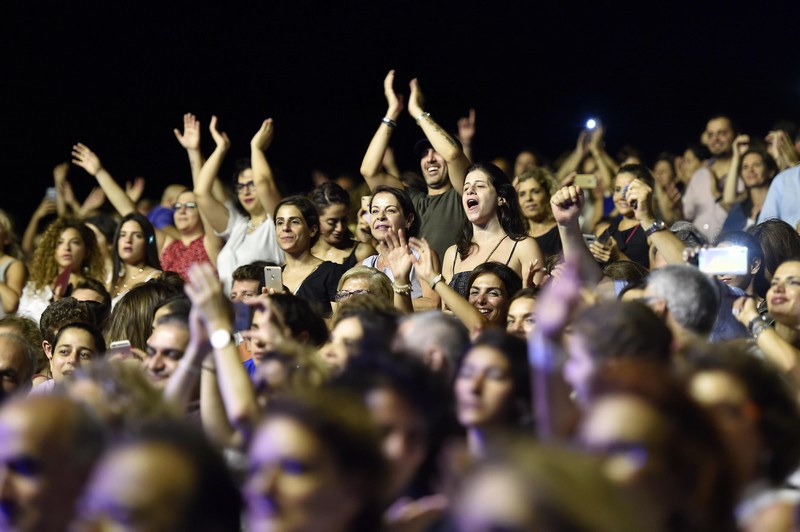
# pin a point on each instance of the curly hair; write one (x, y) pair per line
(44, 268)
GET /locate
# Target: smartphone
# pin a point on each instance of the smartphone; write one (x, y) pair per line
(273, 278)
(62, 286)
(50, 193)
(723, 260)
(585, 181)
(242, 316)
(120, 348)
(589, 239)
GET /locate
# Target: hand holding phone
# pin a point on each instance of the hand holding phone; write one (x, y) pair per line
(120, 349)
(273, 278)
(585, 181)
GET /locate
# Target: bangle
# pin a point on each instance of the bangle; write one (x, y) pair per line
(436, 280)
(389, 122)
(423, 115)
(758, 325)
(402, 289)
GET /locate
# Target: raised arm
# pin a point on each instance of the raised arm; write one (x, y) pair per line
(190, 140)
(88, 160)
(570, 164)
(266, 189)
(441, 141)
(670, 246)
(46, 206)
(777, 350)
(372, 165)
(214, 210)
(729, 194)
(472, 319)
(466, 132)
(567, 204)
(205, 291)
(60, 181)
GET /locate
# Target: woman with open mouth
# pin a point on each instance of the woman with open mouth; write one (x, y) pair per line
(493, 230)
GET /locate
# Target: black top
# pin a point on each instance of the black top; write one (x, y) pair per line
(319, 288)
(632, 242)
(550, 242)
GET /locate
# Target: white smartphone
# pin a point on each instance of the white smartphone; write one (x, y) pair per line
(120, 348)
(589, 238)
(725, 260)
(273, 278)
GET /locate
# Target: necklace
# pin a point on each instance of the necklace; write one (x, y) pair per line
(133, 277)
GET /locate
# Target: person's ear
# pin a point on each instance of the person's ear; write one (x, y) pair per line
(501, 201)
(755, 266)
(48, 349)
(409, 220)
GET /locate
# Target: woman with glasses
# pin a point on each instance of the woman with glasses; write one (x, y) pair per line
(247, 226)
(196, 242)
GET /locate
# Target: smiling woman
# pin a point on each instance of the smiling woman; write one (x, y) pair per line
(305, 275)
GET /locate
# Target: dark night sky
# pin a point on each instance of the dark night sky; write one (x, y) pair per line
(120, 78)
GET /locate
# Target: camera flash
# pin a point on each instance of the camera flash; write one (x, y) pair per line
(591, 123)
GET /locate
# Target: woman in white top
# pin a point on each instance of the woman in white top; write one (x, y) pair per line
(250, 236)
(13, 271)
(391, 209)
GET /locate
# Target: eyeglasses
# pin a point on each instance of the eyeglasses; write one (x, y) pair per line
(188, 205)
(241, 187)
(345, 294)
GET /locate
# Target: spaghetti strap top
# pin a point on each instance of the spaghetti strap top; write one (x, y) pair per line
(460, 281)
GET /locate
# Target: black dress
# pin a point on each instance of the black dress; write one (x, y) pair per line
(632, 242)
(319, 288)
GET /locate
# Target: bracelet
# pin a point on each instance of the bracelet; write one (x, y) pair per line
(402, 289)
(758, 325)
(423, 115)
(389, 122)
(435, 280)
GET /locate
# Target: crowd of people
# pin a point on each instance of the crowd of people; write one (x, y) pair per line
(597, 343)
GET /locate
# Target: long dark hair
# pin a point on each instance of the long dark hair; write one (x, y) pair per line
(508, 213)
(151, 248)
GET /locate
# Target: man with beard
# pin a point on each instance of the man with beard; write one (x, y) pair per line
(702, 202)
(442, 161)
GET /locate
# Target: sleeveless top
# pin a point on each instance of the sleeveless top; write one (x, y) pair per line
(178, 258)
(460, 281)
(632, 242)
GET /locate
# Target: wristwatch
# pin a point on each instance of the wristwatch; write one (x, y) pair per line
(221, 338)
(657, 226)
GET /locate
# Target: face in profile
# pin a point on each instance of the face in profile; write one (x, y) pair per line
(344, 340)
(294, 484)
(484, 388)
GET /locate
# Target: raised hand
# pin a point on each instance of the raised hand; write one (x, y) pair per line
(85, 158)
(135, 190)
(567, 204)
(220, 137)
(263, 137)
(638, 194)
(94, 200)
(205, 290)
(190, 138)
(397, 253)
(740, 145)
(60, 173)
(596, 140)
(425, 264)
(466, 128)
(416, 99)
(394, 100)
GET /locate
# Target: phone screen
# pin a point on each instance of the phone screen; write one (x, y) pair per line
(725, 260)
(242, 316)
